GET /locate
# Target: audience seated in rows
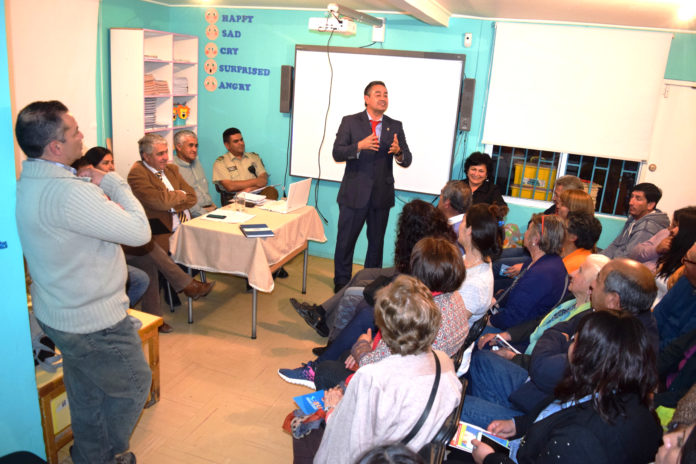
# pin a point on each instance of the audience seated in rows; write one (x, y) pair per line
(438, 264)
(418, 219)
(542, 282)
(524, 336)
(644, 221)
(384, 401)
(501, 389)
(600, 411)
(513, 258)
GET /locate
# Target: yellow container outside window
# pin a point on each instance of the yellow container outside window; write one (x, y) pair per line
(530, 178)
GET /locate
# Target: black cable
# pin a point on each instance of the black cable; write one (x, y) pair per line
(368, 45)
(323, 136)
(462, 139)
(287, 156)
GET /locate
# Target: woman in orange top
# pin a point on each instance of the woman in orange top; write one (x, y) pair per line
(583, 231)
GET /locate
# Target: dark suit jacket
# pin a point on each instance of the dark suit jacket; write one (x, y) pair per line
(370, 175)
(157, 200)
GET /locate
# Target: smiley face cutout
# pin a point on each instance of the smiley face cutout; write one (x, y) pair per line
(212, 32)
(210, 66)
(211, 15)
(210, 83)
(211, 50)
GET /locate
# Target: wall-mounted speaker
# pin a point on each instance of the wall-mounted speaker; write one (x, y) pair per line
(467, 105)
(285, 88)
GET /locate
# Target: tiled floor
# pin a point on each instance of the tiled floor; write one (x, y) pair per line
(221, 398)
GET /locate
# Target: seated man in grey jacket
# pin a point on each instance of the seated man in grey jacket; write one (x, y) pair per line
(644, 221)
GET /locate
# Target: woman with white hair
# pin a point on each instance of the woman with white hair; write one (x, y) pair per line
(525, 335)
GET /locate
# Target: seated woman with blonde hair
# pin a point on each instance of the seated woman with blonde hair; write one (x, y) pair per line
(575, 201)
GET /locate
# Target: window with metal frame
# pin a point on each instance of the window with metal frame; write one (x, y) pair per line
(531, 174)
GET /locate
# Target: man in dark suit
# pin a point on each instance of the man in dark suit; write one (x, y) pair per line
(367, 142)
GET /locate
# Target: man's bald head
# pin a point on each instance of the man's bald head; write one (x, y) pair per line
(626, 285)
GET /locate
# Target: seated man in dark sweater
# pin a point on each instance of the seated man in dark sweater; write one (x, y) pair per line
(501, 388)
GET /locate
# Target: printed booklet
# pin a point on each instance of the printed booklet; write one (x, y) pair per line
(467, 432)
(311, 402)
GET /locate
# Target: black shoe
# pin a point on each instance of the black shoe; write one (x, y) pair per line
(321, 328)
(280, 273)
(319, 350)
(312, 315)
(309, 312)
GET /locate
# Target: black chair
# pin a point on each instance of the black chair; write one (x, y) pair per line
(434, 452)
(474, 333)
(225, 196)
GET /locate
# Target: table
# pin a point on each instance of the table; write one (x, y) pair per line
(55, 414)
(201, 244)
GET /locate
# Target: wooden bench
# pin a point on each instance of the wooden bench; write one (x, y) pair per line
(55, 413)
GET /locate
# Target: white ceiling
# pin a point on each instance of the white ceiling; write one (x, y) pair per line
(661, 14)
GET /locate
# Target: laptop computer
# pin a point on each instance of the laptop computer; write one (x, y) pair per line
(298, 194)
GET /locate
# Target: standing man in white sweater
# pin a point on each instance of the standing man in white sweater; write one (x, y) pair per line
(71, 234)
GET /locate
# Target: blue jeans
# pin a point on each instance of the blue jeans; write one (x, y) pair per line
(107, 381)
(493, 379)
(138, 282)
(364, 319)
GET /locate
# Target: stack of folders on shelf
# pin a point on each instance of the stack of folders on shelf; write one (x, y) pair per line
(155, 87)
(181, 86)
(256, 230)
(150, 115)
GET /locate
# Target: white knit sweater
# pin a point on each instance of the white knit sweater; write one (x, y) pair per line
(71, 235)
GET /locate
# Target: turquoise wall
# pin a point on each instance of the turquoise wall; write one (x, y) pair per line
(267, 40)
(20, 419)
(681, 64)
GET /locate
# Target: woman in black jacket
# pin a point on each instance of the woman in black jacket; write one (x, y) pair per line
(600, 413)
(479, 168)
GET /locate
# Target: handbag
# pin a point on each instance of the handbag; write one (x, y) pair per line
(428, 406)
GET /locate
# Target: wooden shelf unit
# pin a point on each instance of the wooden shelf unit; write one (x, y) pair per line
(164, 55)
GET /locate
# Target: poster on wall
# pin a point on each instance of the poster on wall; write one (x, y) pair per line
(223, 71)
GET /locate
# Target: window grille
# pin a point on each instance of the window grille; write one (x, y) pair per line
(531, 174)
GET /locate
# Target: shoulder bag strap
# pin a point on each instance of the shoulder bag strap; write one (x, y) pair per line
(431, 400)
(565, 287)
(493, 307)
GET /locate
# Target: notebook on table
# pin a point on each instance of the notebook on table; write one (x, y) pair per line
(298, 194)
